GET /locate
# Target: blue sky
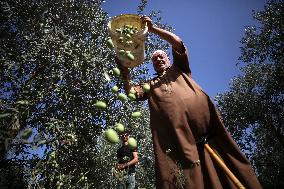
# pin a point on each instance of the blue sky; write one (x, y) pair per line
(211, 29)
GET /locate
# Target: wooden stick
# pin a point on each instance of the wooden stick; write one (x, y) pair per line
(224, 167)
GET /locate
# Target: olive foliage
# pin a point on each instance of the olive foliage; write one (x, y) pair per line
(55, 65)
(253, 107)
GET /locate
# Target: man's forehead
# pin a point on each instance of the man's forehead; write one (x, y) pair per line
(159, 53)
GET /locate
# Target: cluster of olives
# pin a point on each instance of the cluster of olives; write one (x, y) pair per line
(111, 134)
(125, 35)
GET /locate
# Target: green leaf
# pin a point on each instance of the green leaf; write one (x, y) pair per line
(22, 102)
(5, 115)
(27, 133)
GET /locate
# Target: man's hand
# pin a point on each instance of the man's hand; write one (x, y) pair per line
(121, 166)
(170, 37)
(148, 21)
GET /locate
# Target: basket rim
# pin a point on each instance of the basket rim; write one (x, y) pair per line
(142, 32)
(122, 15)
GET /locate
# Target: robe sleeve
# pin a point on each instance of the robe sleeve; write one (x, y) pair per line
(181, 60)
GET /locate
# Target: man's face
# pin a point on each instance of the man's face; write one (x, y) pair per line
(160, 62)
(124, 137)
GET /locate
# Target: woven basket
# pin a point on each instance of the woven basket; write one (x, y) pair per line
(138, 39)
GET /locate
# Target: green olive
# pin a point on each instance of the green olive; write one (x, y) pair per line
(118, 30)
(129, 42)
(132, 96)
(114, 89)
(132, 90)
(132, 143)
(130, 56)
(101, 105)
(111, 136)
(119, 127)
(120, 39)
(122, 97)
(116, 71)
(146, 87)
(121, 52)
(128, 36)
(136, 114)
(110, 43)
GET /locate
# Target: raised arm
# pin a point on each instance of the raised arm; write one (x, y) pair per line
(180, 54)
(125, 76)
(170, 37)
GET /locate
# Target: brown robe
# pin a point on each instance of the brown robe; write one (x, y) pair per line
(181, 113)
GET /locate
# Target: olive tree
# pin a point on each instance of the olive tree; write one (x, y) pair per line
(55, 67)
(253, 107)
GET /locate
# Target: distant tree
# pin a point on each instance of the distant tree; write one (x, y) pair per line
(253, 108)
(54, 66)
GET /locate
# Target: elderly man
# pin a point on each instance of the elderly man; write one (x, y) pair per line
(181, 117)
